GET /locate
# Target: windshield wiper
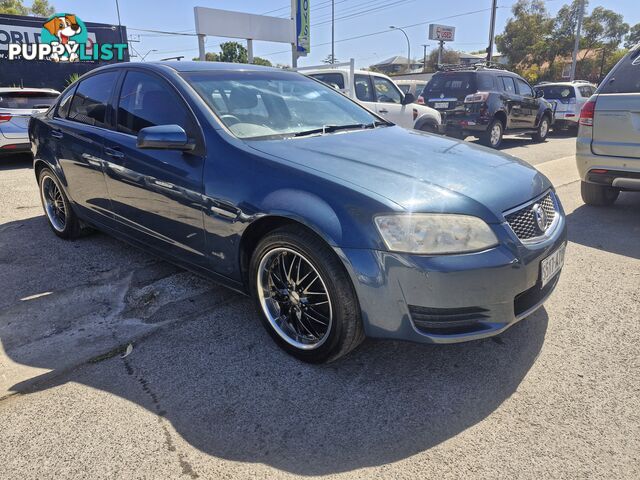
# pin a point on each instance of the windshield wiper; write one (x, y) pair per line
(335, 128)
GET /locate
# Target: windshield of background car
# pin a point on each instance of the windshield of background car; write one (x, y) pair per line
(557, 92)
(255, 105)
(27, 100)
(454, 84)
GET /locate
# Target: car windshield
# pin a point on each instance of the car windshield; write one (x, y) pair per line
(557, 92)
(262, 105)
(27, 100)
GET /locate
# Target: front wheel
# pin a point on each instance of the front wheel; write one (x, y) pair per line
(543, 130)
(493, 136)
(304, 297)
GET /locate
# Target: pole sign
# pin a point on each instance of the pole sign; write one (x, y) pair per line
(442, 33)
(303, 27)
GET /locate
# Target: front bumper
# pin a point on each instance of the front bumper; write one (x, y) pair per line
(451, 298)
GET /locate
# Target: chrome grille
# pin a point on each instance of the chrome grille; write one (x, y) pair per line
(523, 221)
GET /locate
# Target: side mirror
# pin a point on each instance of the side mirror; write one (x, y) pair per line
(165, 137)
(408, 98)
(539, 93)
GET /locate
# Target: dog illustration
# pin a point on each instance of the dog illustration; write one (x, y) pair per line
(63, 28)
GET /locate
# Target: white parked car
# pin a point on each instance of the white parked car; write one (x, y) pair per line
(568, 98)
(378, 93)
(414, 87)
(16, 107)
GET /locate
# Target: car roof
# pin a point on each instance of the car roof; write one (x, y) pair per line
(28, 89)
(192, 66)
(313, 71)
(575, 83)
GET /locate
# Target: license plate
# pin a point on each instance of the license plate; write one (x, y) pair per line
(551, 265)
(441, 105)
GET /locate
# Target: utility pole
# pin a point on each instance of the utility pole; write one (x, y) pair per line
(492, 30)
(119, 22)
(294, 48)
(440, 51)
(333, 31)
(424, 57)
(576, 46)
(408, 46)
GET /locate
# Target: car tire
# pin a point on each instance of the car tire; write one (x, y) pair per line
(493, 135)
(318, 324)
(543, 130)
(598, 195)
(429, 128)
(57, 207)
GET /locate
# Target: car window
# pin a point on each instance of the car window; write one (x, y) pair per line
(386, 91)
(450, 84)
(65, 103)
(485, 82)
(625, 77)
(585, 91)
(420, 88)
(147, 101)
(335, 80)
(404, 88)
(27, 100)
(508, 84)
(524, 88)
(363, 88)
(89, 104)
(558, 92)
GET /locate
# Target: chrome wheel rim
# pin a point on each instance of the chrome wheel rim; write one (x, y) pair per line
(54, 204)
(495, 134)
(294, 298)
(544, 127)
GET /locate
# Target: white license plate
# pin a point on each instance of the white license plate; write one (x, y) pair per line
(551, 265)
(441, 105)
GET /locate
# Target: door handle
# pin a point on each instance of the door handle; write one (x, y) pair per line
(56, 134)
(383, 111)
(113, 153)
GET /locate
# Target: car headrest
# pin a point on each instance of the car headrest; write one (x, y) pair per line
(361, 90)
(242, 98)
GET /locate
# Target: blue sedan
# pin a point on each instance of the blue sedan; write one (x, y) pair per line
(339, 224)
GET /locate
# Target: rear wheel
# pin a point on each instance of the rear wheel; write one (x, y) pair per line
(57, 208)
(429, 128)
(598, 195)
(304, 297)
(493, 136)
(543, 130)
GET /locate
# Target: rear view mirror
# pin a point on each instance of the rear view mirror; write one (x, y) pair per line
(408, 98)
(164, 137)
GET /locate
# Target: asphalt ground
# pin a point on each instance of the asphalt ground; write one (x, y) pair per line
(206, 394)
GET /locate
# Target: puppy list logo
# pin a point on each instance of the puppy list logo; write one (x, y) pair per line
(64, 38)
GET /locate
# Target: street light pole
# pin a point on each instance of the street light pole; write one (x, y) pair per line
(424, 57)
(333, 31)
(119, 22)
(408, 46)
(492, 30)
(576, 46)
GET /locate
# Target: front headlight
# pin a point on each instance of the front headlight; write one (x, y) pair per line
(435, 233)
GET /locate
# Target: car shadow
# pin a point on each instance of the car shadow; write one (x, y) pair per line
(221, 382)
(16, 162)
(614, 229)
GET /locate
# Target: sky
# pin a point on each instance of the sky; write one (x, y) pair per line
(361, 17)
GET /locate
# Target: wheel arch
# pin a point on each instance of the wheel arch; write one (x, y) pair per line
(502, 116)
(424, 120)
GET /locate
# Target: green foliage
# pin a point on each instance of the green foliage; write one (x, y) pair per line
(633, 37)
(448, 57)
(40, 8)
(233, 52)
(534, 42)
(72, 78)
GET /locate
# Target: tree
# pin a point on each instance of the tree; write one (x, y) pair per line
(449, 57)
(330, 59)
(526, 34)
(233, 52)
(633, 36)
(39, 8)
(603, 29)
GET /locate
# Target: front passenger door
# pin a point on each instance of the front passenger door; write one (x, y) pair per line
(389, 102)
(156, 194)
(529, 103)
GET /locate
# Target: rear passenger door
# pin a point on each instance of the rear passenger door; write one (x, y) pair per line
(616, 122)
(512, 102)
(364, 91)
(156, 194)
(529, 104)
(79, 127)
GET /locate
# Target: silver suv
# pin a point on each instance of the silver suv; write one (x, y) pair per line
(16, 107)
(567, 99)
(608, 144)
